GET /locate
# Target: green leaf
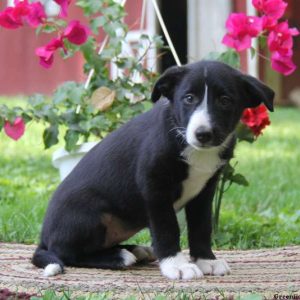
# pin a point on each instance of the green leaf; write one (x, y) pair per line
(252, 52)
(239, 179)
(244, 133)
(50, 136)
(262, 41)
(1, 123)
(213, 56)
(97, 22)
(231, 58)
(71, 138)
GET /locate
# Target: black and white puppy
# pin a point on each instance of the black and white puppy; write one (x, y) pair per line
(140, 175)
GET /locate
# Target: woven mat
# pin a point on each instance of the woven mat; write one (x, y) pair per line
(266, 272)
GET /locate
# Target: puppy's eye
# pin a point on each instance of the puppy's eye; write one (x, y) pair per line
(189, 99)
(224, 101)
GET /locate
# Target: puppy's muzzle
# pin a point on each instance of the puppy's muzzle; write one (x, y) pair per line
(204, 135)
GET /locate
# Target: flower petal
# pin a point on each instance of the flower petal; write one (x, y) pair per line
(15, 130)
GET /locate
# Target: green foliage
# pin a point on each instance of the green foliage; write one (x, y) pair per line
(229, 57)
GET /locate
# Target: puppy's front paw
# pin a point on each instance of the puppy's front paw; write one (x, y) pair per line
(178, 267)
(217, 267)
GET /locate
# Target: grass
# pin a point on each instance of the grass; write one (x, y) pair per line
(265, 214)
(170, 294)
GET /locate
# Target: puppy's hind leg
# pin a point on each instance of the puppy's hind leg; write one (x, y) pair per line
(115, 258)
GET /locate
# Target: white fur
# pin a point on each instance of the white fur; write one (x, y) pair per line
(217, 267)
(178, 267)
(202, 165)
(128, 258)
(52, 270)
(199, 118)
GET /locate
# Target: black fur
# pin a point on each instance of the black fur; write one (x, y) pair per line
(136, 173)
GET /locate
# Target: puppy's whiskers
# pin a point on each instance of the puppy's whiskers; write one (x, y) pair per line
(181, 134)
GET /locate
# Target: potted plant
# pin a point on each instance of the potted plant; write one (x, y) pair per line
(86, 111)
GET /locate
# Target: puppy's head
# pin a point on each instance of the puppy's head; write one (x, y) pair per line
(207, 100)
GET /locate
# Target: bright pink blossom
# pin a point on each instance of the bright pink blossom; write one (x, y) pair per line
(268, 23)
(256, 119)
(46, 53)
(76, 33)
(283, 63)
(36, 14)
(280, 38)
(271, 8)
(9, 20)
(241, 28)
(64, 4)
(14, 17)
(15, 130)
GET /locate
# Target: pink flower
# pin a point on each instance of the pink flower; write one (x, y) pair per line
(268, 23)
(64, 4)
(241, 28)
(271, 8)
(76, 33)
(280, 38)
(46, 53)
(36, 14)
(9, 20)
(283, 63)
(14, 17)
(15, 130)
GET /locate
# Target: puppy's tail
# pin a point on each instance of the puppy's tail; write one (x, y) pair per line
(48, 260)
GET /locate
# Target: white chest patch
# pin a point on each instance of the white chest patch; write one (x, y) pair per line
(202, 166)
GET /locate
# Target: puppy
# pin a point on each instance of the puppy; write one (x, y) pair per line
(140, 175)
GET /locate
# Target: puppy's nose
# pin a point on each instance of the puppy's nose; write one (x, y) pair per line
(204, 135)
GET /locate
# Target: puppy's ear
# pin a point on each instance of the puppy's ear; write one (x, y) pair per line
(257, 92)
(166, 83)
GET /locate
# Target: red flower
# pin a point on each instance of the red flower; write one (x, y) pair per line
(64, 4)
(76, 33)
(256, 119)
(283, 63)
(241, 28)
(15, 130)
(46, 53)
(271, 8)
(280, 38)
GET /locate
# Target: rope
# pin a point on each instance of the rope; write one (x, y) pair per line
(166, 33)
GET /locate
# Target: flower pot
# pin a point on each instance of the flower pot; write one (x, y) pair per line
(66, 161)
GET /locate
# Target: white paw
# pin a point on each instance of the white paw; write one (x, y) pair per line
(128, 258)
(178, 267)
(143, 253)
(52, 270)
(217, 267)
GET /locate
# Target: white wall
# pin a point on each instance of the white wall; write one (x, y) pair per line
(206, 26)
